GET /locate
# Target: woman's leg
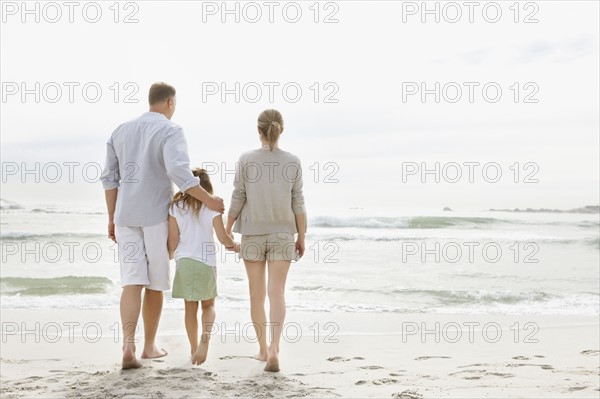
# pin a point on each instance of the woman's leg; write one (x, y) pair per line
(208, 319)
(278, 271)
(258, 293)
(191, 324)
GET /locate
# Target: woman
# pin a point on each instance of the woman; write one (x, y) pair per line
(267, 207)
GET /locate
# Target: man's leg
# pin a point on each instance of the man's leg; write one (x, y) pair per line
(134, 277)
(155, 242)
(130, 313)
(153, 302)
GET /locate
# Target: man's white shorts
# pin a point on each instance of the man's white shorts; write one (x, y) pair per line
(144, 256)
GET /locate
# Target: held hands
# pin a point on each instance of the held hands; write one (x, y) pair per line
(233, 246)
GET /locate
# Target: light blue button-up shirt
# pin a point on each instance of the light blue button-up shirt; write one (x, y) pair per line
(144, 157)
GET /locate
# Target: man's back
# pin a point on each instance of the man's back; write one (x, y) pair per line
(143, 157)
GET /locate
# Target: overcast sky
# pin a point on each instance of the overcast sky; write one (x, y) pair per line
(368, 61)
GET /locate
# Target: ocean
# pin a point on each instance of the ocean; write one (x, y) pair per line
(446, 262)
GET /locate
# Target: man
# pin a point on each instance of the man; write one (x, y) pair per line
(144, 157)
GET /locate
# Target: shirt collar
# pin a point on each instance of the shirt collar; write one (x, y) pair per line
(153, 115)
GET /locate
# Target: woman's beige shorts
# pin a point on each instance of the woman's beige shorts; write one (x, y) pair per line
(279, 246)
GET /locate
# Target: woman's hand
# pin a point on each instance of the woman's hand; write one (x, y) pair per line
(300, 245)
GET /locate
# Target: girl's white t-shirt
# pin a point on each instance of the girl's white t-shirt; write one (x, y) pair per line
(196, 239)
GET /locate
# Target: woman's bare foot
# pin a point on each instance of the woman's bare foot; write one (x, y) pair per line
(154, 353)
(201, 354)
(272, 362)
(129, 360)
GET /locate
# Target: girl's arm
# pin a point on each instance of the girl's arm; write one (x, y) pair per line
(173, 239)
(222, 235)
(230, 222)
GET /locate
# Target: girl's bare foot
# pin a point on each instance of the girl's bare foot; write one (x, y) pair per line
(129, 360)
(201, 353)
(262, 356)
(153, 353)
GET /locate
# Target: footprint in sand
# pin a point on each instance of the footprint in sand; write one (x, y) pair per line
(343, 359)
(575, 389)
(431, 357)
(384, 381)
(590, 352)
(479, 374)
(407, 395)
(381, 381)
(475, 365)
(542, 366)
(235, 357)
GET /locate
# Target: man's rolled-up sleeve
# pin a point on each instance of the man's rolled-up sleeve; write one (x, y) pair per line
(111, 176)
(177, 161)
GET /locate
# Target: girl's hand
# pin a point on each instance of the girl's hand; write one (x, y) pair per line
(300, 246)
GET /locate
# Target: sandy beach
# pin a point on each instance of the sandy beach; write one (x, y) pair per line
(364, 355)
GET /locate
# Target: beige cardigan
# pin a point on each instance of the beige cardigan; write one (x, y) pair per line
(267, 192)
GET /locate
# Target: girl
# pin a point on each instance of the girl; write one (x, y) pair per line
(267, 207)
(191, 243)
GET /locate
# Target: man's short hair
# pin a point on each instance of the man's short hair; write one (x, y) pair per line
(160, 92)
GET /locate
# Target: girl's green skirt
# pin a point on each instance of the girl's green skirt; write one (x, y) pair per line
(194, 280)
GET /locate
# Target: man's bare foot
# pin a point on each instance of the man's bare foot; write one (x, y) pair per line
(154, 353)
(200, 356)
(129, 360)
(262, 356)
(272, 362)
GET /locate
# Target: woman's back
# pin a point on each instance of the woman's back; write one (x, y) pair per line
(267, 192)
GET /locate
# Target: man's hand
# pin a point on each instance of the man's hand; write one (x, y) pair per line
(300, 246)
(111, 231)
(216, 204)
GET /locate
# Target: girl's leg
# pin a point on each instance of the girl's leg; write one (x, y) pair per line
(278, 271)
(191, 324)
(258, 293)
(208, 319)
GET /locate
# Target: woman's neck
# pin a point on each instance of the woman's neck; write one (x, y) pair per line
(265, 144)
